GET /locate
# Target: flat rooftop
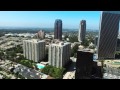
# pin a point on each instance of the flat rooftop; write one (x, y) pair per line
(86, 50)
(34, 40)
(60, 43)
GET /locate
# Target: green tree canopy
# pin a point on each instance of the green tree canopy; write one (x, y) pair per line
(53, 71)
(74, 50)
(85, 43)
(73, 38)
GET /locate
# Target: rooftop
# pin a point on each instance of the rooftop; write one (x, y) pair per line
(86, 50)
(60, 43)
(35, 40)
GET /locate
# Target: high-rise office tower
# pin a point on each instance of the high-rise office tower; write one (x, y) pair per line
(82, 31)
(84, 64)
(59, 54)
(34, 49)
(58, 29)
(109, 27)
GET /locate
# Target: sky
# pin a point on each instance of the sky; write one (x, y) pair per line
(46, 19)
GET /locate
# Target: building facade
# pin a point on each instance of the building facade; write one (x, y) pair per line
(34, 50)
(58, 29)
(107, 41)
(59, 54)
(84, 65)
(41, 34)
(82, 31)
(118, 45)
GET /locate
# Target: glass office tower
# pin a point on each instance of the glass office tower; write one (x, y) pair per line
(109, 27)
(58, 29)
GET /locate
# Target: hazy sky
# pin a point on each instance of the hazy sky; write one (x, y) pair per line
(46, 19)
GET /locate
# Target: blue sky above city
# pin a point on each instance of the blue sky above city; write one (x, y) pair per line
(46, 19)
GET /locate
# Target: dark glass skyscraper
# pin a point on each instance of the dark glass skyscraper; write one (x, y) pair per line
(84, 64)
(82, 31)
(109, 27)
(58, 29)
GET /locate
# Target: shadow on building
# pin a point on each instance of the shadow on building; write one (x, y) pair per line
(86, 68)
(96, 71)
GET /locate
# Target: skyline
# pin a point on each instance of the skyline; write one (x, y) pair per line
(46, 19)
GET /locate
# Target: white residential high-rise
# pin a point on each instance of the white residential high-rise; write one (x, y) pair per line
(34, 49)
(59, 54)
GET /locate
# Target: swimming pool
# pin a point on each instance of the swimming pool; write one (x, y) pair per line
(40, 66)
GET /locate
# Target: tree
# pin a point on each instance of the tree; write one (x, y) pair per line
(53, 71)
(75, 55)
(73, 38)
(35, 67)
(117, 54)
(66, 36)
(46, 69)
(1, 55)
(28, 63)
(21, 57)
(85, 43)
(92, 47)
(1, 69)
(59, 73)
(18, 49)
(74, 50)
